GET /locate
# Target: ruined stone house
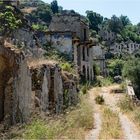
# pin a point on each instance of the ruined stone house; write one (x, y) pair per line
(70, 34)
(128, 47)
(106, 34)
(99, 58)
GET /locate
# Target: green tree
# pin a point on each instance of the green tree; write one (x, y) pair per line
(131, 71)
(115, 24)
(115, 67)
(95, 20)
(125, 20)
(54, 6)
(43, 13)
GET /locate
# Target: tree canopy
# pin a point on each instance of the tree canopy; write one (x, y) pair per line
(54, 6)
(95, 20)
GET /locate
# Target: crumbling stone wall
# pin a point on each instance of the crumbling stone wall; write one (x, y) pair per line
(16, 79)
(53, 88)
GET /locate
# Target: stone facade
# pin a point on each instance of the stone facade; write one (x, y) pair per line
(107, 35)
(15, 84)
(125, 48)
(99, 58)
(62, 41)
(83, 57)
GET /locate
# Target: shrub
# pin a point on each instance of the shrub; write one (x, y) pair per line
(126, 104)
(85, 88)
(99, 100)
(101, 81)
(66, 66)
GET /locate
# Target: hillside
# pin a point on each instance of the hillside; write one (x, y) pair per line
(67, 76)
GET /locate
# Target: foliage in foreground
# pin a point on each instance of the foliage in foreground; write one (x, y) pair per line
(72, 125)
(111, 127)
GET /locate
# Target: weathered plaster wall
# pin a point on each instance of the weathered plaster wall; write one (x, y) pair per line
(22, 93)
(99, 58)
(17, 86)
(71, 23)
(62, 41)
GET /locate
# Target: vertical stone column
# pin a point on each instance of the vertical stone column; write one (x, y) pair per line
(44, 94)
(22, 93)
(58, 90)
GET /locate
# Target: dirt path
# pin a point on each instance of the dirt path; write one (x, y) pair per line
(129, 129)
(94, 133)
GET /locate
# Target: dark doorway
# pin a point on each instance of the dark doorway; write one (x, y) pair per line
(85, 35)
(4, 77)
(83, 51)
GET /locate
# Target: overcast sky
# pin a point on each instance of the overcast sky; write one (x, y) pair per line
(107, 8)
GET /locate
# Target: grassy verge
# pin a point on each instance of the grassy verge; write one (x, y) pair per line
(133, 112)
(72, 125)
(111, 127)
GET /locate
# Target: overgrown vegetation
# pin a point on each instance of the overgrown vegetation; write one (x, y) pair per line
(111, 127)
(115, 67)
(101, 81)
(67, 66)
(9, 18)
(132, 72)
(72, 125)
(85, 86)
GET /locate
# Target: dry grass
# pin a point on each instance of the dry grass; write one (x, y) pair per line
(73, 125)
(40, 62)
(111, 127)
(133, 112)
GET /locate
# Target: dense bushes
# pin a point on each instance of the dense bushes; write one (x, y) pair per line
(132, 72)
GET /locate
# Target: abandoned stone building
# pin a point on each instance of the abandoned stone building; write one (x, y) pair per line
(106, 34)
(70, 34)
(128, 47)
(99, 58)
(27, 85)
(28, 82)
